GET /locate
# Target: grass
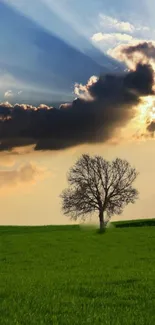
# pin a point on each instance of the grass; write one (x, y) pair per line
(66, 275)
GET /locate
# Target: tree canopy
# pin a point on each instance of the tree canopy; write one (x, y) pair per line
(96, 184)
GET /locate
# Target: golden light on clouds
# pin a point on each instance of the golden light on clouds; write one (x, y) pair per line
(146, 113)
(132, 59)
(136, 129)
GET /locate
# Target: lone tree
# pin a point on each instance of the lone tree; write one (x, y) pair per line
(99, 185)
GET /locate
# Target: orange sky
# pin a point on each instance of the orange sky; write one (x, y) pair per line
(33, 199)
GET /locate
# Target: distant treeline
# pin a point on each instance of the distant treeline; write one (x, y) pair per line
(135, 223)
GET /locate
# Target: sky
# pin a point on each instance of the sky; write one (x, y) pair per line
(57, 101)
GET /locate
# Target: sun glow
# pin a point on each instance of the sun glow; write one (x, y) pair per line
(145, 114)
(137, 127)
(147, 109)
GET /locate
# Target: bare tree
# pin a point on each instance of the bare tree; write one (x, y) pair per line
(96, 184)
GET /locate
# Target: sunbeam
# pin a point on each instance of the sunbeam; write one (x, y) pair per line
(74, 76)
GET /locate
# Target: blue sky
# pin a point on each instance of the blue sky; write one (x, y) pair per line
(48, 45)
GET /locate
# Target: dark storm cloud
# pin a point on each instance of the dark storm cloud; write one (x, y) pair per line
(151, 127)
(145, 48)
(83, 120)
(144, 53)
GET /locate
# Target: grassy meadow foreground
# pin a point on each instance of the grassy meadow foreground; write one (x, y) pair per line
(66, 275)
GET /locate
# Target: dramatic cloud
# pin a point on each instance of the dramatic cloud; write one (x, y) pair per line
(151, 127)
(143, 52)
(83, 91)
(146, 48)
(103, 106)
(138, 51)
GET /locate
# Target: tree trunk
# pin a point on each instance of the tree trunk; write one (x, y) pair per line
(101, 218)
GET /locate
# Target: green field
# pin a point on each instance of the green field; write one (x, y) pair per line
(67, 275)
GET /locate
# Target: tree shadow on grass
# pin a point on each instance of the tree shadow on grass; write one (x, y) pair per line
(101, 232)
